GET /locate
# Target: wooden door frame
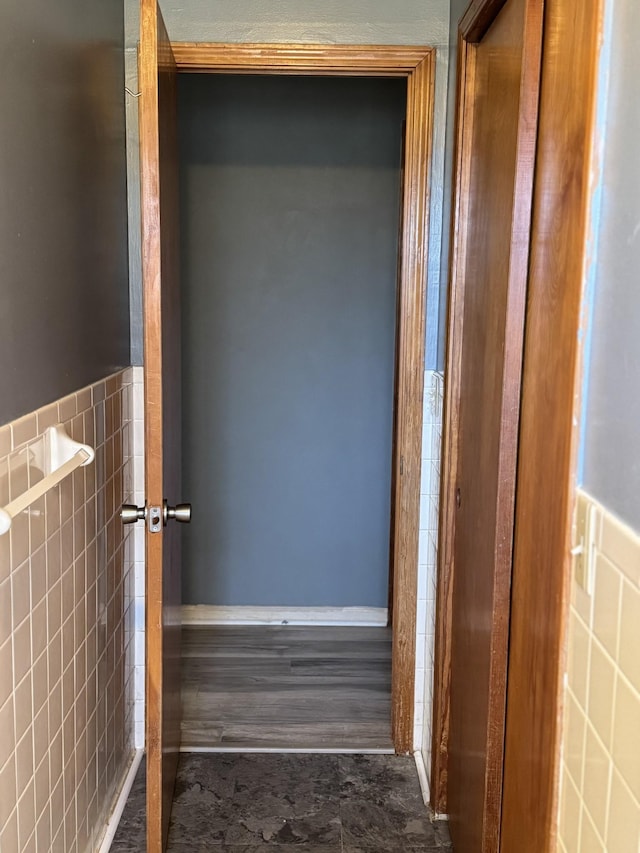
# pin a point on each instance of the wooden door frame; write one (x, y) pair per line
(561, 256)
(550, 408)
(473, 25)
(156, 72)
(417, 65)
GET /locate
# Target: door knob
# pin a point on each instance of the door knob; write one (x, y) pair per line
(179, 512)
(130, 513)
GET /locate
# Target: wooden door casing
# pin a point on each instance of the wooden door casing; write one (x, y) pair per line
(160, 267)
(561, 250)
(550, 409)
(495, 180)
(417, 65)
(160, 259)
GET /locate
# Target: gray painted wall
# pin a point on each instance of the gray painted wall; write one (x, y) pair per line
(64, 313)
(290, 202)
(328, 21)
(611, 449)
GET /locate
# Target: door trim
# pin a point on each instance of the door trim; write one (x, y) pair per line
(158, 179)
(417, 65)
(474, 26)
(561, 255)
(550, 412)
(329, 60)
(475, 22)
(449, 461)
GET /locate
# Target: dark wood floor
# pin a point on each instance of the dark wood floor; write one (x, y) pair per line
(286, 687)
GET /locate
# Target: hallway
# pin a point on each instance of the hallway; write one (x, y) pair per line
(232, 803)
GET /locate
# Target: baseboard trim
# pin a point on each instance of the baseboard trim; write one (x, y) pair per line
(116, 814)
(422, 776)
(247, 750)
(205, 614)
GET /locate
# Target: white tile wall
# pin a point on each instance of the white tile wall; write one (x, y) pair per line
(427, 557)
(600, 789)
(139, 496)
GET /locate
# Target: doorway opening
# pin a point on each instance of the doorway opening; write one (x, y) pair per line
(160, 61)
(290, 206)
(414, 67)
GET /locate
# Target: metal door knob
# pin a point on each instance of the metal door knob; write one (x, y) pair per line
(179, 512)
(130, 513)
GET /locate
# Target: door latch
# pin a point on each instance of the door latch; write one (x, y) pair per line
(130, 513)
(154, 519)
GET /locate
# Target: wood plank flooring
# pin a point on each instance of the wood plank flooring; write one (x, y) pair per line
(286, 687)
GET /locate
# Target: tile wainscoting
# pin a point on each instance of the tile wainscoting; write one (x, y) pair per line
(600, 790)
(67, 576)
(427, 562)
(137, 496)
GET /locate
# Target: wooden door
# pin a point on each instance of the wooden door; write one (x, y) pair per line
(160, 263)
(500, 65)
(567, 159)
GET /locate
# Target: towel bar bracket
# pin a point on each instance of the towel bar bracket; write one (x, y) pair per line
(56, 456)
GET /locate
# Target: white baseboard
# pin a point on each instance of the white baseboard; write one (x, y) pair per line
(321, 750)
(424, 785)
(205, 614)
(116, 814)
(422, 776)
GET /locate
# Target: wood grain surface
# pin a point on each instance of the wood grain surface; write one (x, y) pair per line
(450, 440)
(410, 379)
(360, 60)
(160, 264)
(549, 424)
(286, 688)
(501, 81)
(477, 19)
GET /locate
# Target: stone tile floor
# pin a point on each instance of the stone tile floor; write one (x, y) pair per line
(288, 803)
